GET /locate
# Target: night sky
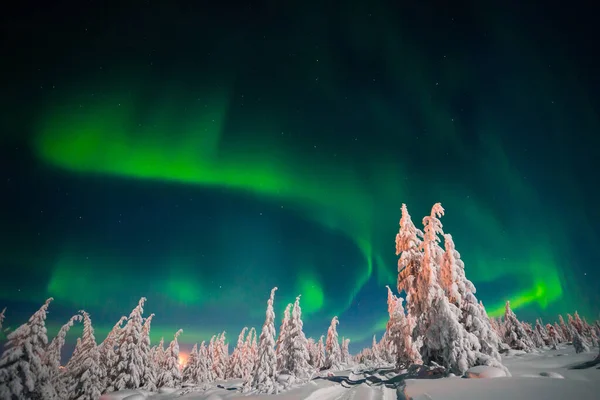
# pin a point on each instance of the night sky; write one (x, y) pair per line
(200, 155)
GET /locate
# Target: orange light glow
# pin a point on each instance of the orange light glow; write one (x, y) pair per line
(183, 358)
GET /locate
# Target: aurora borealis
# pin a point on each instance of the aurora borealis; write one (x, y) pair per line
(199, 156)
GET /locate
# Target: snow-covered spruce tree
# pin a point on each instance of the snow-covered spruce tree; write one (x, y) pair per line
(157, 357)
(408, 245)
(445, 339)
(346, 357)
(131, 361)
(190, 370)
(52, 356)
(108, 355)
(312, 350)
(515, 335)
(170, 375)
(295, 354)
(577, 323)
(264, 376)
(204, 364)
(566, 332)
(236, 360)
(333, 358)
(2, 317)
(248, 356)
(149, 369)
(398, 330)
(552, 336)
(23, 375)
(84, 379)
(461, 292)
(579, 342)
(538, 343)
(320, 354)
(375, 353)
(221, 357)
(542, 332)
(559, 333)
(283, 331)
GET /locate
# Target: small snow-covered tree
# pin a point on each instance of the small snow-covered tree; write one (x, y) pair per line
(399, 333)
(203, 367)
(84, 379)
(283, 331)
(170, 375)
(333, 358)
(130, 362)
(319, 362)
(542, 332)
(149, 369)
(220, 357)
(23, 374)
(237, 359)
(515, 337)
(108, 355)
(157, 357)
(576, 323)
(579, 342)
(559, 333)
(211, 358)
(248, 355)
(264, 376)
(552, 336)
(52, 356)
(2, 317)
(295, 354)
(190, 370)
(566, 332)
(346, 357)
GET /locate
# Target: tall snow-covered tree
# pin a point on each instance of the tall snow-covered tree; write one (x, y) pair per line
(130, 361)
(170, 375)
(408, 247)
(279, 344)
(52, 356)
(149, 369)
(398, 330)
(220, 357)
(204, 373)
(295, 354)
(84, 380)
(108, 355)
(237, 359)
(248, 355)
(264, 376)
(515, 337)
(189, 372)
(23, 374)
(333, 358)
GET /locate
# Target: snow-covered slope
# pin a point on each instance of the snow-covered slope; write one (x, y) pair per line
(543, 375)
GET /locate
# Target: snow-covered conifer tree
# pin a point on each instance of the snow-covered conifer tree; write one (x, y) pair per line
(552, 336)
(189, 373)
(333, 358)
(52, 356)
(248, 355)
(237, 359)
(566, 332)
(2, 317)
(398, 331)
(283, 331)
(84, 379)
(295, 354)
(346, 357)
(131, 362)
(220, 357)
(312, 350)
(579, 342)
(108, 355)
(542, 332)
(577, 323)
(559, 333)
(211, 358)
(170, 375)
(157, 357)
(149, 369)
(264, 376)
(320, 354)
(515, 337)
(23, 374)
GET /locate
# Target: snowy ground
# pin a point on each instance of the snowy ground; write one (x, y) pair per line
(546, 375)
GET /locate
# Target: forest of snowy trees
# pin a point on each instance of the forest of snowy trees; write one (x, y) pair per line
(438, 322)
